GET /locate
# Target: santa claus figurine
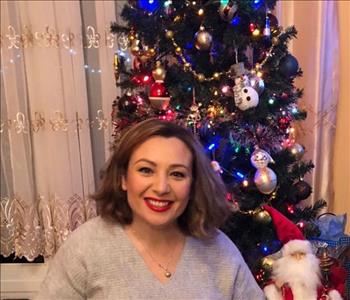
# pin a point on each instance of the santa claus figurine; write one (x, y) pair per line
(296, 275)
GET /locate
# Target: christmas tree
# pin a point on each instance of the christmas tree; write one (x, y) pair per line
(223, 70)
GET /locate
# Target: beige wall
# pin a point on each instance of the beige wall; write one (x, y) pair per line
(342, 140)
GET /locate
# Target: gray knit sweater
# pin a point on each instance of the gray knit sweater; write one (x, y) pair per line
(99, 262)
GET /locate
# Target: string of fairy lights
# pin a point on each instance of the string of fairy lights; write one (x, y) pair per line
(187, 66)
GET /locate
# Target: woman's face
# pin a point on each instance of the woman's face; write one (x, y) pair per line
(158, 181)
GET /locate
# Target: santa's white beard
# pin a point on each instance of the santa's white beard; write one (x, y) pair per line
(302, 276)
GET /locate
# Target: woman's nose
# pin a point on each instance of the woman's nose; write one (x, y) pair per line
(161, 184)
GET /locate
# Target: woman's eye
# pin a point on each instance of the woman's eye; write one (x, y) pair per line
(178, 174)
(145, 170)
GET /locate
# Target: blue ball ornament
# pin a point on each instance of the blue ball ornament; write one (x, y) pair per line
(289, 66)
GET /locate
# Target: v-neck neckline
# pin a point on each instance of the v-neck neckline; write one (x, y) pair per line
(147, 270)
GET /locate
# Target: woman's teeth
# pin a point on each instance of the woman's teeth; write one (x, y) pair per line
(158, 203)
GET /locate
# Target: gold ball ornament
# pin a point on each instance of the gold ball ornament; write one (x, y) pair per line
(131, 36)
(187, 66)
(146, 53)
(178, 50)
(262, 216)
(178, 18)
(200, 77)
(203, 39)
(216, 75)
(135, 47)
(143, 57)
(159, 72)
(267, 263)
(169, 34)
(151, 52)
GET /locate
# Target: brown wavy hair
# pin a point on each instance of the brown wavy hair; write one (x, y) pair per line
(207, 208)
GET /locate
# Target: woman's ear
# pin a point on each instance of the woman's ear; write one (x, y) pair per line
(124, 188)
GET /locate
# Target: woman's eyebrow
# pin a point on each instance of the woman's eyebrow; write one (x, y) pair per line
(154, 164)
(145, 160)
(179, 166)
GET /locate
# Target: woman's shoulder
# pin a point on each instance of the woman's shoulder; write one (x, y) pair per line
(91, 232)
(91, 225)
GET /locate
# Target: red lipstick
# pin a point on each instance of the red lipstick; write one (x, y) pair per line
(158, 205)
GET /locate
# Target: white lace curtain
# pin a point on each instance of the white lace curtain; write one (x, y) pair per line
(57, 87)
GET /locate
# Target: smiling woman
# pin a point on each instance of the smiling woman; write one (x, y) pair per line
(164, 143)
(157, 236)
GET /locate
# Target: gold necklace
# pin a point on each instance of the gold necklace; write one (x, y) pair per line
(167, 273)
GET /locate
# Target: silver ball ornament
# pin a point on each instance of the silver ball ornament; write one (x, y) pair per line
(265, 180)
(297, 150)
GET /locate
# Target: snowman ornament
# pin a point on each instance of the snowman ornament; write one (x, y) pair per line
(265, 178)
(245, 96)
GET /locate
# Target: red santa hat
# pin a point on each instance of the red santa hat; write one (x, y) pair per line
(288, 233)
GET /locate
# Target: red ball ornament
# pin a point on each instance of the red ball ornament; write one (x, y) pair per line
(146, 79)
(142, 79)
(170, 115)
(159, 96)
(284, 96)
(284, 123)
(136, 79)
(158, 90)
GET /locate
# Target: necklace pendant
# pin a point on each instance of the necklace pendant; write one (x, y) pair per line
(167, 274)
